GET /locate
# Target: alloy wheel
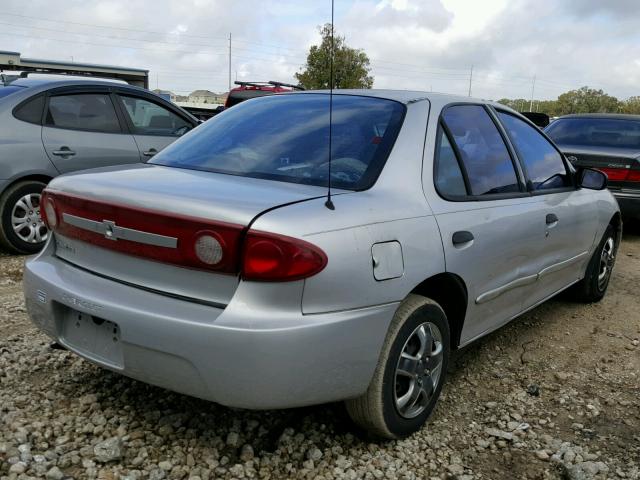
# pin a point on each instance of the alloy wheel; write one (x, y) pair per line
(607, 258)
(26, 219)
(418, 370)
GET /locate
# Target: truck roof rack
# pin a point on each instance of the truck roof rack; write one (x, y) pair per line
(267, 84)
(290, 85)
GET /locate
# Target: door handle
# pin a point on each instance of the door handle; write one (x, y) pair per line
(150, 153)
(462, 237)
(64, 152)
(551, 219)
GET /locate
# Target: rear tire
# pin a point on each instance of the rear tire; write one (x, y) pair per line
(596, 280)
(410, 372)
(21, 226)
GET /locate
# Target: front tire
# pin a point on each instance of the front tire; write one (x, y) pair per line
(596, 280)
(410, 372)
(22, 228)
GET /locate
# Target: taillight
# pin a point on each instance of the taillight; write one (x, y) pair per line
(155, 235)
(621, 174)
(634, 176)
(48, 211)
(269, 257)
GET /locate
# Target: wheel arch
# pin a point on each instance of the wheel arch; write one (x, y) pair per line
(616, 223)
(36, 177)
(450, 291)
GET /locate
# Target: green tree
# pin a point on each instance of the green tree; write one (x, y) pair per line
(350, 69)
(587, 100)
(631, 105)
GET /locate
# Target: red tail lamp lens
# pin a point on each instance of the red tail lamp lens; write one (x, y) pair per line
(634, 176)
(277, 258)
(615, 174)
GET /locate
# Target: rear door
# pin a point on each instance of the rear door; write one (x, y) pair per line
(82, 130)
(153, 125)
(487, 220)
(566, 214)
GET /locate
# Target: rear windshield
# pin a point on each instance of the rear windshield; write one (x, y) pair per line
(286, 138)
(4, 91)
(596, 132)
(238, 96)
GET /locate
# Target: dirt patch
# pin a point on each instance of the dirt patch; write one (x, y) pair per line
(555, 394)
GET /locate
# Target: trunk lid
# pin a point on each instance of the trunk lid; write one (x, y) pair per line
(609, 160)
(138, 204)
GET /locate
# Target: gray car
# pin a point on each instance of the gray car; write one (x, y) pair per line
(222, 269)
(53, 126)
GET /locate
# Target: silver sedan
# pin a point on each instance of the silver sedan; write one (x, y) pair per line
(223, 269)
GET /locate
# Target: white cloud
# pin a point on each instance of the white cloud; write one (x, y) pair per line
(417, 44)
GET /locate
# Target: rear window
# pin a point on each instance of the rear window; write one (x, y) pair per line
(596, 132)
(4, 91)
(238, 96)
(286, 138)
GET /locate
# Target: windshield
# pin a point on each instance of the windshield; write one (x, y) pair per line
(8, 90)
(286, 138)
(596, 132)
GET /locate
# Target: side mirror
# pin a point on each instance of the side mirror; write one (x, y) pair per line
(592, 179)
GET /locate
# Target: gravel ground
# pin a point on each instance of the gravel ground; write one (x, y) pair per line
(553, 395)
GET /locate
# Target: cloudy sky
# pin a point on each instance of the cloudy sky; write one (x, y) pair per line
(412, 44)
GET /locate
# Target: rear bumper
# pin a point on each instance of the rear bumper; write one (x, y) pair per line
(196, 350)
(629, 204)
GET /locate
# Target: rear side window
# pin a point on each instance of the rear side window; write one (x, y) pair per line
(449, 179)
(286, 138)
(483, 152)
(31, 110)
(83, 111)
(149, 118)
(542, 162)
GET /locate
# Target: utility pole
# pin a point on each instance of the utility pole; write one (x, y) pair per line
(533, 88)
(470, 79)
(229, 61)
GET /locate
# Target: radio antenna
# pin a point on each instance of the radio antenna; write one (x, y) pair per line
(329, 203)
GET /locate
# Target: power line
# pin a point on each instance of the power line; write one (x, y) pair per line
(75, 42)
(93, 25)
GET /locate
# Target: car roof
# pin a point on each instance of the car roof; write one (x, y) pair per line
(403, 96)
(407, 97)
(61, 81)
(616, 116)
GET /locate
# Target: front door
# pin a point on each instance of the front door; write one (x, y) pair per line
(154, 126)
(564, 212)
(82, 131)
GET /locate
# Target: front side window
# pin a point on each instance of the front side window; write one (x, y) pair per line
(484, 154)
(83, 111)
(149, 118)
(541, 160)
(286, 138)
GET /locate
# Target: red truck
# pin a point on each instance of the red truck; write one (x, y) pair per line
(246, 90)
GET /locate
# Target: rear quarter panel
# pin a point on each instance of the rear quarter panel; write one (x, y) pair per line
(394, 209)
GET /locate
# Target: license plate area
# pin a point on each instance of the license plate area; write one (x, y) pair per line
(93, 337)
